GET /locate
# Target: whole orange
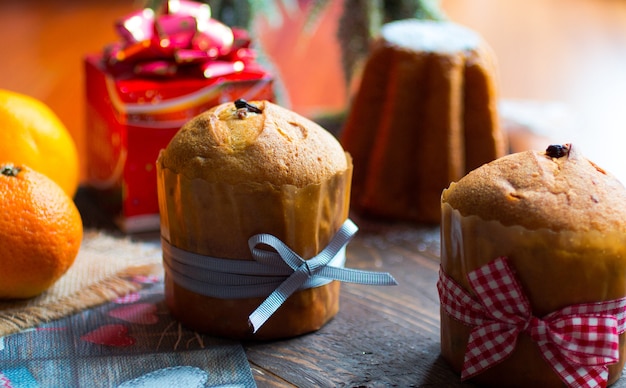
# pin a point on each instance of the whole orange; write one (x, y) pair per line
(40, 232)
(32, 134)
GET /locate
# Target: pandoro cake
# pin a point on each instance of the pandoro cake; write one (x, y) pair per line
(424, 115)
(559, 221)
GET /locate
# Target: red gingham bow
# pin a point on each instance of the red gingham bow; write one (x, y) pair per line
(578, 341)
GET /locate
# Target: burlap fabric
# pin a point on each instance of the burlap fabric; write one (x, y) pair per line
(102, 271)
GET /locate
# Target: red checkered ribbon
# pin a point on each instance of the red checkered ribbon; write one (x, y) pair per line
(578, 341)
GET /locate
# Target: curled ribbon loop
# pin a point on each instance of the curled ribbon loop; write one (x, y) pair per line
(180, 38)
(305, 269)
(578, 341)
(278, 272)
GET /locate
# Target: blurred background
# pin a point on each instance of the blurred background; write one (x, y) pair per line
(568, 55)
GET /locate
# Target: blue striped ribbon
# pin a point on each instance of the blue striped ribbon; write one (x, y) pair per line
(278, 273)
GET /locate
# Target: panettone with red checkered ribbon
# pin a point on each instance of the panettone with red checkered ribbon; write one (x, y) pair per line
(578, 341)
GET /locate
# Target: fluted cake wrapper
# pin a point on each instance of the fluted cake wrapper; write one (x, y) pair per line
(555, 269)
(217, 219)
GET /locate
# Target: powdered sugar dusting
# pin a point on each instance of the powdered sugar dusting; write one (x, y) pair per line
(430, 36)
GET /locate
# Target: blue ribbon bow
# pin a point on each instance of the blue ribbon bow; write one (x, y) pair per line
(305, 269)
(279, 273)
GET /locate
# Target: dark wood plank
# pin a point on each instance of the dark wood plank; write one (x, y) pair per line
(265, 378)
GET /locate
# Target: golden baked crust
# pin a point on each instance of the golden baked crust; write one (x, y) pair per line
(534, 190)
(232, 146)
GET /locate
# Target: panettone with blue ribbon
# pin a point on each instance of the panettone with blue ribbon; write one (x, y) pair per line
(254, 203)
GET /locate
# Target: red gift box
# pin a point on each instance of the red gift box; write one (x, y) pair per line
(140, 92)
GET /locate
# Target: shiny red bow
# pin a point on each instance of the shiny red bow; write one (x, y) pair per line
(180, 38)
(578, 341)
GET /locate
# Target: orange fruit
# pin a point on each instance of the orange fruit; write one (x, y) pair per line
(40, 232)
(32, 134)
